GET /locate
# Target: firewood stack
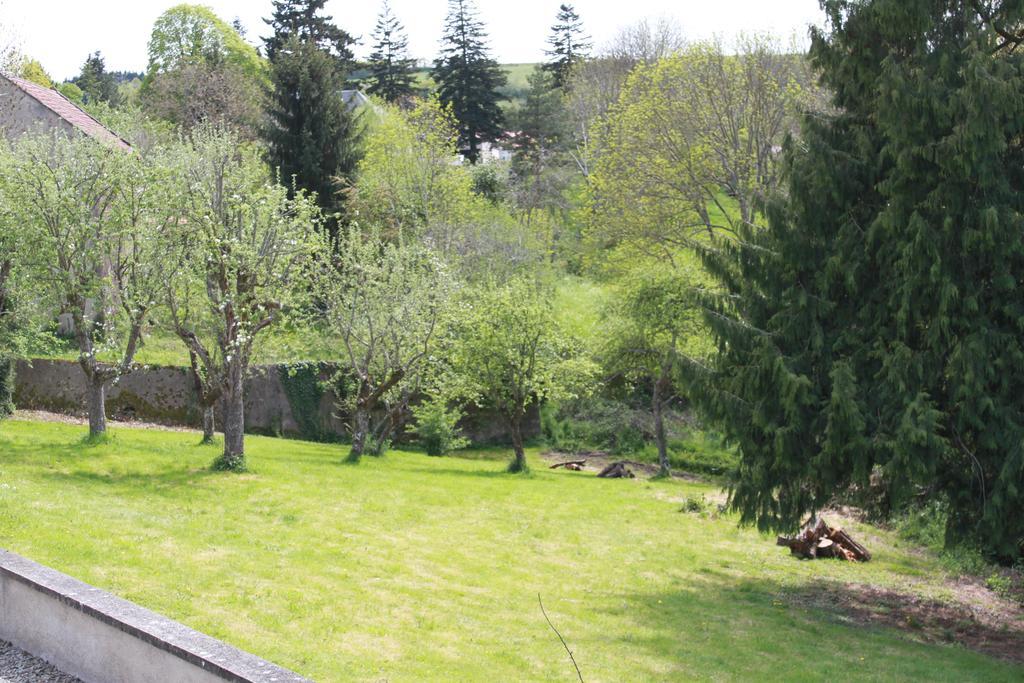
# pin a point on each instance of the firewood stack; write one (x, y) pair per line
(818, 540)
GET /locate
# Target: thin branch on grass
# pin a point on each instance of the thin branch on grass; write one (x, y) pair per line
(564, 644)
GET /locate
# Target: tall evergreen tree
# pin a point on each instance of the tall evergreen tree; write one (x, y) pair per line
(569, 44)
(468, 78)
(312, 137)
(876, 326)
(391, 69)
(302, 19)
(96, 83)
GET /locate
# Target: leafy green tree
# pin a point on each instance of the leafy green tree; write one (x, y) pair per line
(241, 257)
(302, 20)
(32, 70)
(383, 300)
(392, 71)
(97, 216)
(652, 328)
(190, 34)
(312, 138)
(873, 328)
(202, 70)
(468, 78)
(72, 92)
(691, 147)
(510, 353)
(96, 83)
(569, 45)
(407, 181)
(15, 295)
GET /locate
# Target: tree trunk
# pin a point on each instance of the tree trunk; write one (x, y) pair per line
(516, 430)
(234, 423)
(97, 406)
(209, 424)
(360, 431)
(657, 405)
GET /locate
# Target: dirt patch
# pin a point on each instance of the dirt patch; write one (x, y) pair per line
(598, 460)
(974, 618)
(60, 418)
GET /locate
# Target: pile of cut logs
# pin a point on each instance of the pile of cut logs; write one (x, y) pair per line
(817, 540)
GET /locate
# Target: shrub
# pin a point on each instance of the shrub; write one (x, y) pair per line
(436, 427)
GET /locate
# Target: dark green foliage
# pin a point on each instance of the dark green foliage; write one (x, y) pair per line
(6, 387)
(569, 45)
(877, 323)
(301, 19)
(96, 83)
(313, 138)
(593, 424)
(305, 390)
(392, 71)
(468, 78)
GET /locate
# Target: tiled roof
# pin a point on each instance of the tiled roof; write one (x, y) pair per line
(69, 111)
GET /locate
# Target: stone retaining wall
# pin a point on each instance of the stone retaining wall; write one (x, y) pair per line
(100, 638)
(166, 395)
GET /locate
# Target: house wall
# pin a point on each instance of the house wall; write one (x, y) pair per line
(21, 113)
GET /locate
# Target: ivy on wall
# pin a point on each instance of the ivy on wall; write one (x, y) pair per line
(305, 386)
(6, 387)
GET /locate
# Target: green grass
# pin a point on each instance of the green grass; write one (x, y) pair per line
(410, 568)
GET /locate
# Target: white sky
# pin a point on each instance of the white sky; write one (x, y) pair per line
(60, 33)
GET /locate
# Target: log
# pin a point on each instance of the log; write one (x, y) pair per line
(859, 552)
(616, 470)
(569, 464)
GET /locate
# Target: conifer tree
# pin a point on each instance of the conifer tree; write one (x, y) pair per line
(468, 78)
(302, 19)
(391, 69)
(312, 137)
(568, 44)
(874, 328)
(97, 84)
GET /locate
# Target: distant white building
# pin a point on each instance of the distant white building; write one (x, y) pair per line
(492, 151)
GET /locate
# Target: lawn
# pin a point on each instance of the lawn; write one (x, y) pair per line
(409, 568)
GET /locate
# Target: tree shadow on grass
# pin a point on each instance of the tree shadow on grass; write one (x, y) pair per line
(743, 629)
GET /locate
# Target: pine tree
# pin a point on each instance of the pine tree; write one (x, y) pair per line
(313, 137)
(568, 44)
(875, 327)
(302, 19)
(96, 83)
(468, 78)
(391, 69)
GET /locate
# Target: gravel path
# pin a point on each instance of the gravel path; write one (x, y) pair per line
(17, 666)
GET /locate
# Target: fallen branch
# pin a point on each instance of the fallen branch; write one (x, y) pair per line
(566, 646)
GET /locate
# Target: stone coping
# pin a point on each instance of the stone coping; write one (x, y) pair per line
(196, 648)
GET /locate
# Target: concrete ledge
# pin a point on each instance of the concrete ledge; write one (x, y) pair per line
(101, 638)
